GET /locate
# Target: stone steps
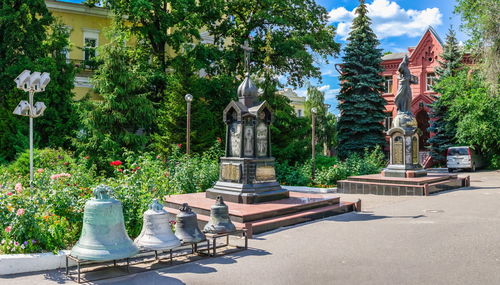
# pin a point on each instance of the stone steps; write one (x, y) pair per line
(258, 218)
(264, 225)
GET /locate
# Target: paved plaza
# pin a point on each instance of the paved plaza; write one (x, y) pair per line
(450, 237)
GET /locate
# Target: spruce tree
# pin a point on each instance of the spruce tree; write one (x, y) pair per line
(444, 130)
(361, 104)
(30, 38)
(122, 120)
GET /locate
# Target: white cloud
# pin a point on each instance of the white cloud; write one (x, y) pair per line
(340, 14)
(389, 19)
(329, 92)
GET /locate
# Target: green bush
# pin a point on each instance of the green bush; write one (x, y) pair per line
(370, 163)
(329, 170)
(49, 216)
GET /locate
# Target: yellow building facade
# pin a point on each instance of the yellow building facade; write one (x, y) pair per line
(88, 27)
(296, 101)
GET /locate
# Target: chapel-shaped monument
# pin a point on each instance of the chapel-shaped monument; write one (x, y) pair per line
(247, 174)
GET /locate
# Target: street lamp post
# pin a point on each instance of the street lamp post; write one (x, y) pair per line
(188, 98)
(313, 141)
(32, 83)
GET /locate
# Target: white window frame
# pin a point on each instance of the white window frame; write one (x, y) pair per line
(428, 87)
(386, 79)
(90, 34)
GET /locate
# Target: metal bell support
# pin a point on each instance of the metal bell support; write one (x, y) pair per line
(186, 226)
(103, 235)
(156, 233)
(219, 219)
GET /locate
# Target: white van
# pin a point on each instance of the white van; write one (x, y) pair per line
(463, 157)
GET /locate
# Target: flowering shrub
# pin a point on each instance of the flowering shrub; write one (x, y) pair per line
(48, 217)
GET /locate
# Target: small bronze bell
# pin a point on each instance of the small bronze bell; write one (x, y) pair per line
(219, 219)
(103, 235)
(156, 233)
(186, 226)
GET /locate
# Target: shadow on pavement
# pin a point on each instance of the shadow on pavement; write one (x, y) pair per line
(367, 216)
(150, 277)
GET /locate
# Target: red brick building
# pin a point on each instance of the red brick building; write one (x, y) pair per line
(423, 61)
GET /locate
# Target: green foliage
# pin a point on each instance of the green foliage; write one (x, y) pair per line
(51, 213)
(210, 96)
(480, 19)
(32, 39)
(444, 130)
(474, 111)
(296, 30)
(370, 162)
(285, 41)
(326, 122)
(124, 117)
(287, 130)
(329, 170)
(361, 106)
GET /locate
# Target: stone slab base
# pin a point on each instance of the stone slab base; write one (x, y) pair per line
(247, 194)
(257, 218)
(379, 184)
(404, 173)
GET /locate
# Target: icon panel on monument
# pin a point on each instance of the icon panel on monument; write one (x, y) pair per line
(249, 139)
(398, 152)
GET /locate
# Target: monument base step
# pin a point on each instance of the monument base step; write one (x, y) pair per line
(379, 184)
(258, 218)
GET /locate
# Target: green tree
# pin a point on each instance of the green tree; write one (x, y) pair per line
(361, 104)
(289, 133)
(298, 38)
(474, 111)
(164, 28)
(443, 129)
(124, 116)
(480, 19)
(32, 39)
(297, 31)
(316, 99)
(288, 130)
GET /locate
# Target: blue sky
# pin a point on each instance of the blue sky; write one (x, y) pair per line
(398, 24)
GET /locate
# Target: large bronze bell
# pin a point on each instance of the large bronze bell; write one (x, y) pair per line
(103, 235)
(186, 226)
(156, 233)
(219, 219)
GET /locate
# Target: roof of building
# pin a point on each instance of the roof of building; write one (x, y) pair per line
(396, 55)
(290, 94)
(399, 55)
(77, 8)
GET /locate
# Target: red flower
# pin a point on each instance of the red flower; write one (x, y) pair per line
(219, 140)
(179, 145)
(115, 163)
(119, 170)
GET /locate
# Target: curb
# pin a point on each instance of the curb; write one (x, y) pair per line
(314, 190)
(24, 263)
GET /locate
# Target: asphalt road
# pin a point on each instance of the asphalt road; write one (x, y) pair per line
(448, 238)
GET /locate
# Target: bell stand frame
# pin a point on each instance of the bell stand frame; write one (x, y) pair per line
(239, 232)
(211, 252)
(80, 262)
